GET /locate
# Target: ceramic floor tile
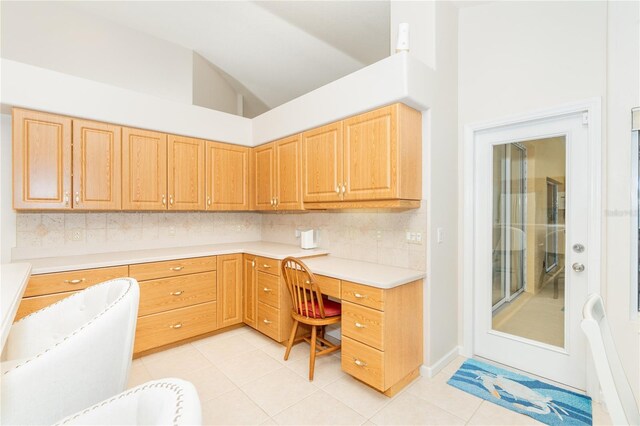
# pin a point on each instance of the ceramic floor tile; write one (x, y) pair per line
(138, 374)
(210, 382)
(176, 363)
(276, 351)
(495, 415)
(319, 409)
(600, 416)
(220, 350)
(167, 353)
(248, 366)
(442, 395)
(327, 369)
(220, 336)
(358, 396)
(232, 408)
(407, 409)
(269, 421)
(257, 339)
(278, 390)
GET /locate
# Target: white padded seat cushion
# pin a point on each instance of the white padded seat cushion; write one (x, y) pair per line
(160, 402)
(55, 323)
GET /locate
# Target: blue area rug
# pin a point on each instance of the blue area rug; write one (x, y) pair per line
(544, 402)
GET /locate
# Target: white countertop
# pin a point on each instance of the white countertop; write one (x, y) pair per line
(373, 274)
(13, 280)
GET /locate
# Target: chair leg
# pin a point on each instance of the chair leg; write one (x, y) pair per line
(312, 358)
(294, 329)
(321, 334)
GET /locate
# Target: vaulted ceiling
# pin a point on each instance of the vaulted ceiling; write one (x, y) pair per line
(269, 51)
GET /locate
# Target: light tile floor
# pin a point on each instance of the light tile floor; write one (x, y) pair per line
(242, 379)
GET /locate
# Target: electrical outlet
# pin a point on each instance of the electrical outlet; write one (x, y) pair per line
(440, 235)
(378, 235)
(297, 233)
(413, 237)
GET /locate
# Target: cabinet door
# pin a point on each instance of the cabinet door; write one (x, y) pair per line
(288, 173)
(264, 159)
(250, 308)
(229, 290)
(185, 168)
(227, 177)
(322, 163)
(96, 166)
(144, 170)
(41, 160)
(370, 155)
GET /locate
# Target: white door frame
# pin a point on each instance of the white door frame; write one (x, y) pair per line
(594, 110)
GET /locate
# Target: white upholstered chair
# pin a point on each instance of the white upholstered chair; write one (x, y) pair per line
(69, 355)
(614, 384)
(159, 402)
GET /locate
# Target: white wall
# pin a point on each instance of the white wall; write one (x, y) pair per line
(421, 17)
(517, 57)
(211, 90)
(56, 36)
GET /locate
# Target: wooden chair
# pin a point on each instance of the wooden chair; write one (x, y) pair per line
(310, 308)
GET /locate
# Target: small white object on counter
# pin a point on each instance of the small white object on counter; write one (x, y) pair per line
(13, 281)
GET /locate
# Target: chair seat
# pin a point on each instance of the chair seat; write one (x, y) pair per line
(331, 309)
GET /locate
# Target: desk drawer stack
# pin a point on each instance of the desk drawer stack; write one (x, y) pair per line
(274, 303)
(382, 334)
(177, 300)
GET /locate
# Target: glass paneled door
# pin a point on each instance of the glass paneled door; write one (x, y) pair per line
(531, 202)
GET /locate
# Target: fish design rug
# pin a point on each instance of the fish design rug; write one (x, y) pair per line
(544, 402)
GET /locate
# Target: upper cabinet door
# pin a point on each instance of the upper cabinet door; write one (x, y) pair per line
(370, 155)
(96, 165)
(227, 177)
(264, 159)
(288, 173)
(185, 173)
(41, 160)
(144, 170)
(322, 163)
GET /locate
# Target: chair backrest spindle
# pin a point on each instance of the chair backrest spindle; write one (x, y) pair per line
(305, 294)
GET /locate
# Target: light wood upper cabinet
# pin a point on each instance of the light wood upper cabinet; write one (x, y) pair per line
(185, 173)
(277, 174)
(41, 160)
(322, 163)
(227, 177)
(264, 159)
(382, 154)
(288, 173)
(144, 170)
(229, 289)
(96, 165)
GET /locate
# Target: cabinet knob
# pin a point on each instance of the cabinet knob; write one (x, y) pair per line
(266, 321)
(76, 281)
(253, 263)
(177, 268)
(176, 293)
(358, 325)
(77, 197)
(66, 198)
(164, 200)
(359, 363)
(208, 201)
(171, 199)
(266, 290)
(174, 326)
(344, 188)
(359, 296)
(265, 266)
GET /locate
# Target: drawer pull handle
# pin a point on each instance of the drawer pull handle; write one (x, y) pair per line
(266, 290)
(178, 325)
(359, 296)
(176, 293)
(265, 266)
(76, 281)
(359, 363)
(177, 268)
(358, 325)
(266, 321)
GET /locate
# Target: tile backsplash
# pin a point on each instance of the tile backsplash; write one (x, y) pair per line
(372, 235)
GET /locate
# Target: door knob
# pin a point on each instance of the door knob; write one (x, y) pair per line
(578, 267)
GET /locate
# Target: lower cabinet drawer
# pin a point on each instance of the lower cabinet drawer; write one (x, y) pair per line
(29, 305)
(363, 324)
(269, 321)
(172, 326)
(60, 282)
(176, 292)
(363, 362)
(268, 288)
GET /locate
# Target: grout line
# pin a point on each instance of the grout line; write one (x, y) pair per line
(475, 411)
